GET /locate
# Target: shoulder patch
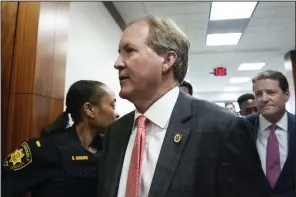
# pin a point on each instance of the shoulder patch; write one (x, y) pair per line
(18, 159)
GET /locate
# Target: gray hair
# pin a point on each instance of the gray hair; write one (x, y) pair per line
(164, 36)
(274, 75)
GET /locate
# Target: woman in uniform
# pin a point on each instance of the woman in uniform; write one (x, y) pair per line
(63, 162)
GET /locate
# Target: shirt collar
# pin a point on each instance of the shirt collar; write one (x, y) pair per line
(282, 123)
(160, 112)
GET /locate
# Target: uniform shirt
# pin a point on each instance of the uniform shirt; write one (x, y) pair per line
(53, 166)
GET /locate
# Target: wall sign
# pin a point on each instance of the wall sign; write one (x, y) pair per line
(220, 71)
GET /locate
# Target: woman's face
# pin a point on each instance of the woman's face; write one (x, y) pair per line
(104, 113)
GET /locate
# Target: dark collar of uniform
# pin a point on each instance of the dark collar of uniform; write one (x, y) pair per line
(71, 134)
(70, 137)
(97, 142)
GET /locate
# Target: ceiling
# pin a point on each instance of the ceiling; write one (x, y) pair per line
(268, 36)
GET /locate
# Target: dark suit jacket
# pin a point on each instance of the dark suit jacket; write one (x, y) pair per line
(286, 184)
(208, 162)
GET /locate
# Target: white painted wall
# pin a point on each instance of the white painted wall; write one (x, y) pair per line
(220, 96)
(92, 48)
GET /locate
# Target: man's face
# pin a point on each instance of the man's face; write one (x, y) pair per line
(231, 108)
(139, 66)
(269, 96)
(249, 107)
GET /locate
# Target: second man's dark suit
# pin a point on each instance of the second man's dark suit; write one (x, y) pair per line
(286, 184)
(211, 160)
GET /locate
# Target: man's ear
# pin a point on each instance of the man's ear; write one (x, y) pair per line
(88, 109)
(170, 58)
(287, 95)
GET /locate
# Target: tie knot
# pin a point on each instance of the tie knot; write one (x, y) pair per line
(272, 128)
(142, 121)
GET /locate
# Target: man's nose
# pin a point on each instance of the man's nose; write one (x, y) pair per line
(264, 97)
(119, 64)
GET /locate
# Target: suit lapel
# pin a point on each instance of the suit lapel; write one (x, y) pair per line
(289, 165)
(256, 130)
(125, 127)
(255, 122)
(172, 147)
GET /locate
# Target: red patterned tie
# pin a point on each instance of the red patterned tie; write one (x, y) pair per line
(273, 165)
(134, 173)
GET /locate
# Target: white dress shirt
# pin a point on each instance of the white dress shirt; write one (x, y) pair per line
(282, 135)
(158, 115)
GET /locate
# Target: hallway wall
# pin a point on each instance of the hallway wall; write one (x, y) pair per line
(92, 48)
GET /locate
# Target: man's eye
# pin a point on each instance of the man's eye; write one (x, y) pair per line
(129, 50)
(113, 105)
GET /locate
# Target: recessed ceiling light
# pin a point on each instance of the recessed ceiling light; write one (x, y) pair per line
(232, 10)
(231, 89)
(251, 66)
(239, 79)
(187, 80)
(223, 39)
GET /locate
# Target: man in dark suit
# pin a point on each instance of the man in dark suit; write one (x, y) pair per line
(172, 145)
(275, 131)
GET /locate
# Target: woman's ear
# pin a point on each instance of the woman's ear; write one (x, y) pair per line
(169, 61)
(88, 110)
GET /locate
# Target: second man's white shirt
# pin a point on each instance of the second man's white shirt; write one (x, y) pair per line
(282, 134)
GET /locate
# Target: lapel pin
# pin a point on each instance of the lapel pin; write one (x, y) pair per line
(177, 138)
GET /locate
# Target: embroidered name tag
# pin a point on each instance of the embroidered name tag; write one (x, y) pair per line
(79, 157)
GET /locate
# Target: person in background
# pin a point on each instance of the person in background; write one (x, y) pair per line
(230, 106)
(275, 131)
(172, 145)
(247, 104)
(64, 161)
(186, 87)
